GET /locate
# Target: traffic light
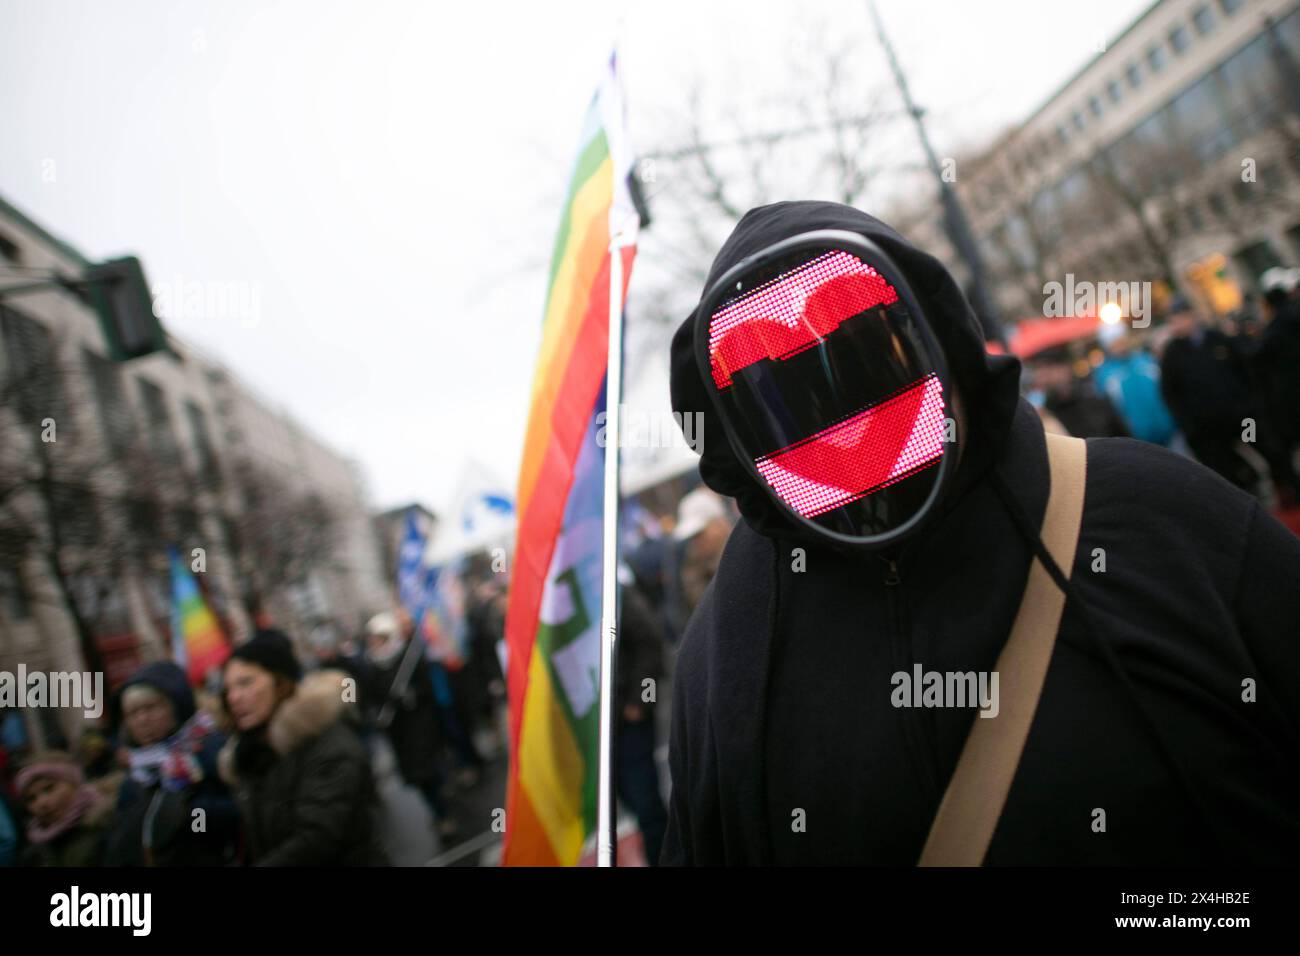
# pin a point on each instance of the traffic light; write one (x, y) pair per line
(119, 293)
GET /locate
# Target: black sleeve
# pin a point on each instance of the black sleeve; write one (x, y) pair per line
(640, 649)
(677, 848)
(1170, 387)
(1268, 610)
(331, 785)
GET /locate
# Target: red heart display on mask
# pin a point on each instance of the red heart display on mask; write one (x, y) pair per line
(862, 454)
(832, 288)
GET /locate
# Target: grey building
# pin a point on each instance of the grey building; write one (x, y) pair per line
(104, 466)
(1172, 157)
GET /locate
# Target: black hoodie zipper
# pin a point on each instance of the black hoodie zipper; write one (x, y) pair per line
(904, 656)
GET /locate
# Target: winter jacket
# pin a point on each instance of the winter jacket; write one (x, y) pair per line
(1206, 382)
(416, 730)
(163, 816)
(82, 845)
(304, 784)
(1166, 729)
(1133, 384)
(640, 649)
(1278, 368)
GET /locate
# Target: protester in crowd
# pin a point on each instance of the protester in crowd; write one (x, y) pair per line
(1164, 732)
(329, 652)
(1278, 358)
(68, 819)
(1206, 382)
(487, 621)
(703, 525)
(454, 690)
(98, 757)
(299, 772)
(1074, 401)
(173, 782)
(1130, 378)
(656, 562)
(408, 713)
(640, 668)
(9, 846)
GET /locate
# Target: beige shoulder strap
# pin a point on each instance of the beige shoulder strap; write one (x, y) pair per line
(963, 827)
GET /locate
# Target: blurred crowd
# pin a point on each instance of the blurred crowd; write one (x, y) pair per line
(273, 761)
(1226, 392)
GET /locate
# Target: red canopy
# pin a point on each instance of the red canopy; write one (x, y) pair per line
(1034, 335)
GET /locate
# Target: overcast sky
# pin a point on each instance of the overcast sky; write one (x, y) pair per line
(382, 180)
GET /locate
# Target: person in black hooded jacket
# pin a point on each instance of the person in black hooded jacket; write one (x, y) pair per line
(173, 781)
(1170, 703)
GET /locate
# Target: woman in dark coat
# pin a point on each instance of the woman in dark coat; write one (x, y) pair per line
(299, 772)
(173, 809)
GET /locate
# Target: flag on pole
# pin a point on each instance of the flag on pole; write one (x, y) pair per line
(198, 643)
(553, 621)
(481, 517)
(433, 596)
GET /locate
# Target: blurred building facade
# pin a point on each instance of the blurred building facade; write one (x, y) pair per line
(105, 465)
(1173, 156)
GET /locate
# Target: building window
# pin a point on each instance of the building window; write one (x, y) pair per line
(1063, 134)
(207, 459)
(9, 249)
(1094, 105)
(161, 436)
(1078, 121)
(110, 399)
(1204, 20)
(1229, 7)
(1250, 88)
(1134, 75)
(1256, 259)
(1199, 120)
(1293, 236)
(1156, 59)
(1179, 40)
(1113, 91)
(30, 373)
(13, 596)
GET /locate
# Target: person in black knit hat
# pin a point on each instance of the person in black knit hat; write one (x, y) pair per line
(299, 772)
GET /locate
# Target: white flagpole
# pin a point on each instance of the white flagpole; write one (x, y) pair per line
(605, 816)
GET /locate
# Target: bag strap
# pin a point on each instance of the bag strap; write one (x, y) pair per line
(977, 792)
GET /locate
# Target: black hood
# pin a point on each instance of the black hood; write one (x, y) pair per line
(168, 678)
(989, 385)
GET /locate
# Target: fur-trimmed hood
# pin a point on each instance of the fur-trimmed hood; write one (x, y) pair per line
(316, 705)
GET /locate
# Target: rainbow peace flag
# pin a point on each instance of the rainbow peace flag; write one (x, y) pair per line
(198, 643)
(553, 621)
